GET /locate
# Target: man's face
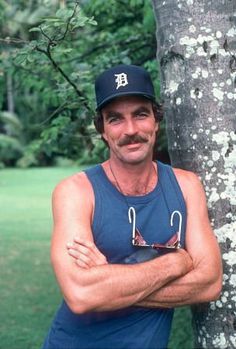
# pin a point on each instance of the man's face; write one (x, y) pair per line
(130, 129)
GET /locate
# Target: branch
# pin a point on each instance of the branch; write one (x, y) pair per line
(50, 41)
(58, 110)
(14, 41)
(47, 52)
(68, 22)
(66, 77)
(103, 46)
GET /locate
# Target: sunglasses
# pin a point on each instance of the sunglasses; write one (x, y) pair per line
(137, 239)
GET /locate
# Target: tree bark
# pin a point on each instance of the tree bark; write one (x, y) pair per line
(196, 49)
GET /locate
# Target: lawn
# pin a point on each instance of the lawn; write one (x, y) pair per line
(29, 294)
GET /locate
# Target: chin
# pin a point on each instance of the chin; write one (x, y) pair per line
(135, 159)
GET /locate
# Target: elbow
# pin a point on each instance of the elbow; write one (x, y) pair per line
(217, 286)
(77, 308)
(213, 283)
(80, 302)
(213, 291)
(216, 290)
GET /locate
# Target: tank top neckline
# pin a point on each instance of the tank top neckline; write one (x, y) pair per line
(132, 199)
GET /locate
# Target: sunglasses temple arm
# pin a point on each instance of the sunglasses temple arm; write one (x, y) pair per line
(180, 224)
(132, 220)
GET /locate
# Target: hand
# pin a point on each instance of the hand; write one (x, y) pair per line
(85, 253)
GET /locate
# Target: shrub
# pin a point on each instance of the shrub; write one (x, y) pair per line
(10, 150)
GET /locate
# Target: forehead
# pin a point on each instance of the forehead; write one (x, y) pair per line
(127, 102)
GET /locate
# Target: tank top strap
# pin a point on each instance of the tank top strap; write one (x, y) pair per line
(94, 171)
(167, 183)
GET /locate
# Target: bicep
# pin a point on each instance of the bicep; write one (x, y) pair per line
(72, 217)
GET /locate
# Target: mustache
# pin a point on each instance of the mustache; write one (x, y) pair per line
(132, 139)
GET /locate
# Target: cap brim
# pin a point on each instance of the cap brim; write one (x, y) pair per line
(122, 94)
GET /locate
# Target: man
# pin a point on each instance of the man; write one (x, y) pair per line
(131, 236)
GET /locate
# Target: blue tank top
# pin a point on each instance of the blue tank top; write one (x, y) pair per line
(132, 327)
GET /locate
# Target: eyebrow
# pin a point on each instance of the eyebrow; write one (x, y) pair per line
(112, 114)
(141, 110)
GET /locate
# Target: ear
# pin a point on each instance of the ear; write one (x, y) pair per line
(157, 126)
(104, 136)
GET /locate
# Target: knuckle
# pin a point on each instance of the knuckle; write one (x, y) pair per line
(89, 243)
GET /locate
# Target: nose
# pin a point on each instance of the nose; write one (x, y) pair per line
(130, 127)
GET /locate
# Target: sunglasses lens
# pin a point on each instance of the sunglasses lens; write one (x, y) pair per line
(172, 243)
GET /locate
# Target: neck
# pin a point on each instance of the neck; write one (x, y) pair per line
(132, 179)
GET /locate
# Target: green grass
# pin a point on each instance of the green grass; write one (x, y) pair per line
(29, 294)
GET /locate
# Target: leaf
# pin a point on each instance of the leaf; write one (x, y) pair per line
(30, 58)
(92, 21)
(64, 13)
(20, 58)
(11, 119)
(35, 29)
(67, 50)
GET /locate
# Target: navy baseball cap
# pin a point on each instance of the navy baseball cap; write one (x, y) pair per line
(123, 80)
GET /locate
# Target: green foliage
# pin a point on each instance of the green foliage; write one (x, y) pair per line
(10, 150)
(10, 123)
(99, 153)
(11, 147)
(32, 155)
(52, 52)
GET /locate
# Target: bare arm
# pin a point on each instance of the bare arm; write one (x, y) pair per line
(203, 283)
(102, 287)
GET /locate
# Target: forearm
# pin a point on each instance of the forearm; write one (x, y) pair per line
(110, 287)
(194, 287)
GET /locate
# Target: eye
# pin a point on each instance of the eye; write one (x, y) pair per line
(114, 120)
(142, 115)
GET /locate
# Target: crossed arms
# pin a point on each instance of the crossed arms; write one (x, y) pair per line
(89, 283)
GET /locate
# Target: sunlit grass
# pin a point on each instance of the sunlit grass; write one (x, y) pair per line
(29, 294)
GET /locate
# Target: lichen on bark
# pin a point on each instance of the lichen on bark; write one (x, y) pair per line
(196, 50)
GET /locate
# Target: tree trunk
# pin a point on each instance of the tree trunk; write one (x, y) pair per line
(196, 43)
(10, 97)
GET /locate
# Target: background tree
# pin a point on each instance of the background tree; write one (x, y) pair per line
(52, 52)
(22, 86)
(197, 54)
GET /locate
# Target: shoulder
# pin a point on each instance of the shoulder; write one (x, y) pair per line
(189, 183)
(73, 187)
(186, 177)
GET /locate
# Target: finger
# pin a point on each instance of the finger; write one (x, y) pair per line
(81, 249)
(70, 245)
(81, 264)
(89, 256)
(87, 260)
(86, 243)
(73, 249)
(73, 253)
(77, 255)
(84, 260)
(90, 247)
